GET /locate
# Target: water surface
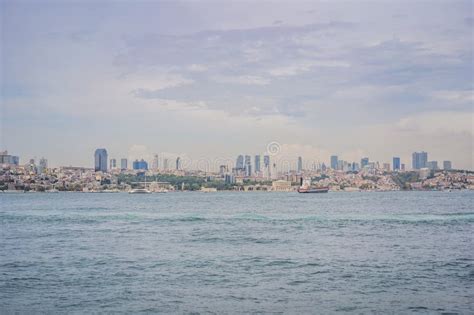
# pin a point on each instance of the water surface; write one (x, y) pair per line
(236, 252)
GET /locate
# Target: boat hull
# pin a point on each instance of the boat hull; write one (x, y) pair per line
(313, 190)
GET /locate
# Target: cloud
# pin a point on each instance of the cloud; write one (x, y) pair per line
(242, 79)
(197, 68)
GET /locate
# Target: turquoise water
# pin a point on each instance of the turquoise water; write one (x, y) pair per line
(397, 252)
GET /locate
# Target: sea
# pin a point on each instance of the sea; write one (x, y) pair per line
(237, 253)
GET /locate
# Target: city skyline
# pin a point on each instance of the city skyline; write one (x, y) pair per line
(353, 80)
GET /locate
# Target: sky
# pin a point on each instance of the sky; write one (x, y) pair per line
(208, 80)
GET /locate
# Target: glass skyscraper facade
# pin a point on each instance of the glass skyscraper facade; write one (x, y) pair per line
(257, 163)
(100, 158)
(364, 162)
(334, 160)
(396, 163)
(300, 164)
(140, 165)
(419, 160)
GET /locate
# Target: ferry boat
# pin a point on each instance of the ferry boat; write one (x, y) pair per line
(314, 190)
(139, 191)
(307, 188)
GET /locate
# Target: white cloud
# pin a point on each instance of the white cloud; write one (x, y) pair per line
(197, 68)
(304, 66)
(455, 96)
(242, 79)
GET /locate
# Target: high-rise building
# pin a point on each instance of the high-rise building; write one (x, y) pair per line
(266, 161)
(364, 162)
(419, 160)
(447, 165)
(334, 160)
(6, 158)
(396, 163)
(43, 165)
(266, 166)
(100, 157)
(178, 163)
(165, 164)
(223, 170)
(155, 163)
(257, 163)
(123, 164)
(113, 164)
(432, 165)
(140, 165)
(300, 164)
(240, 162)
(248, 165)
(386, 167)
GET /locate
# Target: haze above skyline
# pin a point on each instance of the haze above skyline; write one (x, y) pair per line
(218, 79)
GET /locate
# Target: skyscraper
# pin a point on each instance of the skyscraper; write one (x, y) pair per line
(334, 160)
(100, 157)
(447, 165)
(178, 163)
(419, 160)
(248, 165)
(140, 165)
(240, 162)
(165, 164)
(113, 164)
(432, 165)
(123, 164)
(396, 163)
(155, 163)
(266, 166)
(257, 163)
(300, 164)
(43, 165)
(364, 162)
(266, 161)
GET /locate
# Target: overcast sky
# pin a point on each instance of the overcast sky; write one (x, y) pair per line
(216, 79)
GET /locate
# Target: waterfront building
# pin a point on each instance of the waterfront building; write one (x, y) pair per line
(100, 158)
(257, 163)
(140, 165)
(123, 164)
(300, 164)
(364, 162)
(334, 160)
(281, 185)
(396, 163)
(419, 160)
(447, 165)
(113, 164)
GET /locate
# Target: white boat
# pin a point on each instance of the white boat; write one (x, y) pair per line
(139, 191)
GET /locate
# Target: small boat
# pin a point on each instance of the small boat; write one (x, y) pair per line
(139, 191)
